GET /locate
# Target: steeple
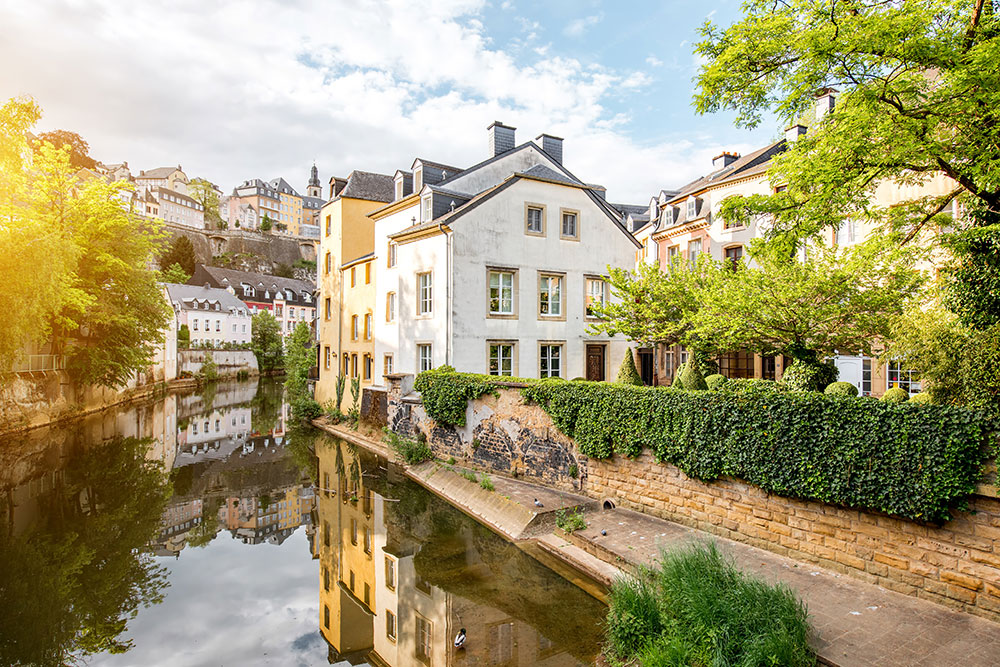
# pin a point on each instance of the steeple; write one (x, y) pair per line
(314, 189)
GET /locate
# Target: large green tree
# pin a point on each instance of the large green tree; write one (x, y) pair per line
(265, 341)
(300, 357)
(181, 253)
(79, 149)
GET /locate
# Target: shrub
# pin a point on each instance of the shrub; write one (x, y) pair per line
(469, 475)
(691, 378)
(696, 608)
(809, 375)
(627, 374)
(896, 395)
(922, 397)
(183, 336)
(574, 471)
(715, 381)
(841, 389)
(751, 386)
(446, 394)
(486, 482)
(570, 520)
(209, 370)
(914, 463)
(305, 408)
(411, 451)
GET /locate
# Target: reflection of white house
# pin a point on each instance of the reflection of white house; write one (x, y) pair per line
(210, 314)
(213, 435)
(491, 269)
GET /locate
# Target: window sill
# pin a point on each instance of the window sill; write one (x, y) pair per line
(569, 238)
(551, 318)
(539, 234)
(501, 316)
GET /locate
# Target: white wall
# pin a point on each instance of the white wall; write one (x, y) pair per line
(226, 321)
(387, 279)
(492, 174)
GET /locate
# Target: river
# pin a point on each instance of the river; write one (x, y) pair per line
(203, 529)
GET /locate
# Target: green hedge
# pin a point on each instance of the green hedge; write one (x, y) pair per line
(446, 394)
(913, 461)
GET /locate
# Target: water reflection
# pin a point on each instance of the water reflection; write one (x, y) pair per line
(401, 572)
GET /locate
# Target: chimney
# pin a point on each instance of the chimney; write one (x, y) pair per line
(552, 146)
(724, 159)
(501, 138)
(826, 98)
(794, 132)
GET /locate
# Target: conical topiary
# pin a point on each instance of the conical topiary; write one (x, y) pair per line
(691, 378)
(627, 374)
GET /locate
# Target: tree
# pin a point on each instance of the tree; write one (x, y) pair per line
(919, 97)
(299, 360)
(79, 150)
(627, 374)
(205, 194)
(174, 274)
(265, 223)
(265, 341)
(180, 252)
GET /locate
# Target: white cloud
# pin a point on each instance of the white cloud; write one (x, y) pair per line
(577, 27)
(653, 61)
(238, 90)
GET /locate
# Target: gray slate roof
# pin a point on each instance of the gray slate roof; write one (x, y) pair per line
(213, 275)
(541, 171)
(369, 186)
(198, 297)
(159, 172)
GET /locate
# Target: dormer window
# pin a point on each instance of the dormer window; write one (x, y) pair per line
(399, 187)
(418, 178)
(692, 208)
(428, 208)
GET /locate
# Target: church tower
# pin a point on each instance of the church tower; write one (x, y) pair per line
(314, 189)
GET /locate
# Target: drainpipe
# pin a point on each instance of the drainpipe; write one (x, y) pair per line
(449, 281)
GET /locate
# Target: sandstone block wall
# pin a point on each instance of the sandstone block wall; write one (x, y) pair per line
(956, 564)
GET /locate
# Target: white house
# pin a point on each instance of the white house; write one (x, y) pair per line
(211, 314)
(490, 269)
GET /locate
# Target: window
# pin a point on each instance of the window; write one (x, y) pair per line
(354, 327)
(550, 296)
(424, 632)
(736, 365)
(692, 208)
(354, 365)
(390, 307)
(326, 357)
(534, 220)
(734, 256)
(569, 229)
(350, 579)
(368, 326)
(694, 249)
(673, 252)
(354, 533)
(596, 290)
(326, 579)
(368, 540)
(194, 323)
(368, 273)
(768, 369)
(354, 277)
(326, 308)
(390, 625)
(501, 293)
(550, 361)
(424, 359)
(390, 573)
(291, 309)
(326, 265)
(501, 358)
(346, 363)
(425, 294)
(392, 255)
(326, 617)
(903, 378)
(369, 366)
(327, 225)
(845, 233)
(866, 376)
(387, 364)
(326, 534)
(428, 209)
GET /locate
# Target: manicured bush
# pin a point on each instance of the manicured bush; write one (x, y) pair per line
(809, 376)
(305, 408)
(841, 389)
(696, 608)
(627, 374)
(910, 461)
(896, 395)
(715, 381)
(922, 397)
(691, 378)
(751, 386)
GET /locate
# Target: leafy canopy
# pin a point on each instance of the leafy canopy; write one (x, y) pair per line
(265, 341)
(203, 192)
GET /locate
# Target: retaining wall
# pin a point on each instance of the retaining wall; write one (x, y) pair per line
(956, 564)
(229, 362)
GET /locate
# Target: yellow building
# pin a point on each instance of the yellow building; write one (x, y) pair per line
(346, 272)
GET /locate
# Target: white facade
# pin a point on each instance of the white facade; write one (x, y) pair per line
(211, 315)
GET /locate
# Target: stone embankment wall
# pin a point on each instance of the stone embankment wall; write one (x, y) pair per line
(258, 252)
(956, 564)
(229, 362)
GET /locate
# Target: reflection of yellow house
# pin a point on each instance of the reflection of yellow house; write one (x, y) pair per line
(345, 547)
(346, 269)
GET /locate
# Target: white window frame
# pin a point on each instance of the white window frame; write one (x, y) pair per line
(546, 359)
(501, 289)
(501, 353)
(390, 307)
(425, 293)
(894, 377)
(545, 295)
(590, 294)
(425, 357)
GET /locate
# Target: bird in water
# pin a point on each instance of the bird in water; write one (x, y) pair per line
(460, 638)
(538, 503)
(604, 532)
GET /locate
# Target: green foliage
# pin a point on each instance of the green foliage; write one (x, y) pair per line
(451, 460)
(696, 608)
(299, 360)
(841, 389)
(174, 274)
(181, 253)
(809, 375)
(691, 379)
(266, 342)
(307, 264)
(202, 191)
(183, 336)
(627, 374)
(574, 471)
(333, 412)
(570, 520)
(715, 381)
(410, 450)
(922, 397)
(896, 395)
(486, 483)
(755, 386)
(973, 277)
(446, 394)
(909, 461)
(209, 371)
(283, 270)
(266, 223)
(339, 388)
(979, 370)
(355, 412)
(305, 409)
(79, 150)
(469, 475)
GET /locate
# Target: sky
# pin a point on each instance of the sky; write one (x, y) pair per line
(260, 89)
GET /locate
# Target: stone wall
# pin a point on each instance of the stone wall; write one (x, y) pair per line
(956, 564)
(254, 251)
(229, 362)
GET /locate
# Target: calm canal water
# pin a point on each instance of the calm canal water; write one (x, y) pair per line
(201, 530)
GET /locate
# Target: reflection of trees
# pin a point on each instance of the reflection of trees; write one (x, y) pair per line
(265, 407)
(70, 582)
(299, 443)
(205, 532)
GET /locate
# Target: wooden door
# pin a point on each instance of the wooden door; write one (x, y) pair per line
(595, 363)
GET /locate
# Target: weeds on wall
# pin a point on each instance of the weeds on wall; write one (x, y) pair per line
(570, 520)
(411, 451)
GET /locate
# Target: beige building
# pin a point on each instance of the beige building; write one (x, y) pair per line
(346, 271)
